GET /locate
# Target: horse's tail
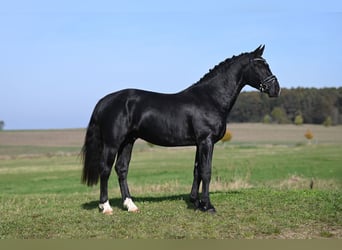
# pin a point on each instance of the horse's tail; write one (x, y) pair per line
(92, 152)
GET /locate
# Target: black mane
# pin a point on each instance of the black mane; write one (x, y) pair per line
(221, 67)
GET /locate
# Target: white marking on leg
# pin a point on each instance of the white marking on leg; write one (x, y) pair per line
(106, 208)
(129, 204)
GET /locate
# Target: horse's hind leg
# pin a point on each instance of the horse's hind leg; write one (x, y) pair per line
(121, 168)
(194, 197)
(105, 169)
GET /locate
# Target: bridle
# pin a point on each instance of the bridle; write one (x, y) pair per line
(265, 84)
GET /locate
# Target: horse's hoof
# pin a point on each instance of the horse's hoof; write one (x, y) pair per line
(108, 212)
(207, 208)
(131, 207)
(196, 204)
(134, 210)
(105, 208)
(210, 210)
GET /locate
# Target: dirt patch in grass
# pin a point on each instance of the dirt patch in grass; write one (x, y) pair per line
(298, 182)
(288, 133)
(241, 132)
(50, 138)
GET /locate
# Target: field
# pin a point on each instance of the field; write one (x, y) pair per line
(269, 181)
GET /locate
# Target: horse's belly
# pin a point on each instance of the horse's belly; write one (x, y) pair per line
(167, 134)
(168, 142)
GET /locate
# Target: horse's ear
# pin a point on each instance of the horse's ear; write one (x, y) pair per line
(259, 51)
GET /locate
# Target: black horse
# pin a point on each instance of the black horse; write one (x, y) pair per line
(195, 116)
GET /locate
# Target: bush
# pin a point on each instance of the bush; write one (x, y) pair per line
(267, 119)
(299, 120)
(2, 125)
(227, 136)
(308, 135)
(279, 115)
(328, 121)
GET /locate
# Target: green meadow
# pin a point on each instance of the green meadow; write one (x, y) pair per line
(269, 181)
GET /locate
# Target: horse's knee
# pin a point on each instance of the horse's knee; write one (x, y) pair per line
(105, 172)
(121, 172)
(206, 177)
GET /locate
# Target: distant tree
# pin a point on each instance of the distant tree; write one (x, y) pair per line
(299, 120)
(249, 108)
(2, 125)
(267, 119)
(279, 115)
(328, 121)
(227, 136)
(314, 105)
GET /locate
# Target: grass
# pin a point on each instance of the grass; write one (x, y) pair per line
(260, 190)
(247, 213)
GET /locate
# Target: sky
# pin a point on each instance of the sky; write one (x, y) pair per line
(58, 58)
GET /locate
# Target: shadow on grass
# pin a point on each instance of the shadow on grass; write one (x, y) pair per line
(117, 202)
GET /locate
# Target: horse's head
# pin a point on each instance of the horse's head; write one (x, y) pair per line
(259, 75)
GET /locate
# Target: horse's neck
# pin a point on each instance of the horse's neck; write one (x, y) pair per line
(223, 88)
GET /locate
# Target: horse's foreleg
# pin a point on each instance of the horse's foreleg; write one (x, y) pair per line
(194, 198)
(205, 154)
(121, 168)
(105, 169)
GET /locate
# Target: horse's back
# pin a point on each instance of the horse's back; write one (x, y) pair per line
(163, 119)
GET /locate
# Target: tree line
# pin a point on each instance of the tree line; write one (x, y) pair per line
(295, 105)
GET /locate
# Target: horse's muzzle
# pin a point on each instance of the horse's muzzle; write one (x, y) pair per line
(270, 85)
(275, 89)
